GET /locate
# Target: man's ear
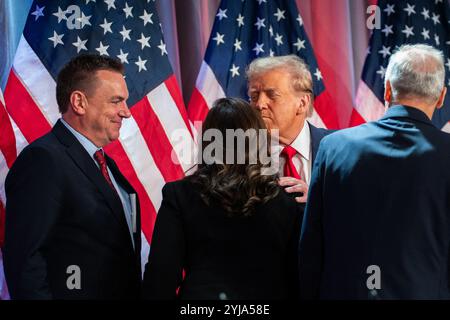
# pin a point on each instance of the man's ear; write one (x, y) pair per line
(78, 102)
(440, 102)
(388, 92)
(303, 104)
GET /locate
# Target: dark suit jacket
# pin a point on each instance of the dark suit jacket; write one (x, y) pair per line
(61, 212)
(239, 257)
(380, 195)
(317, 134)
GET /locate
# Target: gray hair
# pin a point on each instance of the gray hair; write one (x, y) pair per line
(295, 66)
(416, 71)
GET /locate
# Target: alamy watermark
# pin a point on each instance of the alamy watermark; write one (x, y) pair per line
(73, 281)
(374, 19)
(373, 282)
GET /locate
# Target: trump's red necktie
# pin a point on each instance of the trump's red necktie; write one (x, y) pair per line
(289, 169)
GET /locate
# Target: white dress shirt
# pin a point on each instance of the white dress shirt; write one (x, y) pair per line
(302, 144)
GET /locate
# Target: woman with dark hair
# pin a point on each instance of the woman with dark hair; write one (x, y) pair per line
(229, 226)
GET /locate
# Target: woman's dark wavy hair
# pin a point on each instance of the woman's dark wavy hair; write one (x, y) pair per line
(237, 188)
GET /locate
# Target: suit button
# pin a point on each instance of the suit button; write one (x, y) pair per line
(373, 294)
(223, 296)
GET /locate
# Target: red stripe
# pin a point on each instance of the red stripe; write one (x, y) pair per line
(172, 86)
(326, 109)
(2, 225)
(148, 212)
(198, 108)
(156, 139)
(7, 138)
(23, 110)
(356, 119)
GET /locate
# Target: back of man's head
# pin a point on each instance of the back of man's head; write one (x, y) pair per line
(416, 72)
(79, 74)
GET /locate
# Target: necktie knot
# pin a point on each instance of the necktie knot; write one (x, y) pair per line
(289, 169)
(288, 152)
(100, 158)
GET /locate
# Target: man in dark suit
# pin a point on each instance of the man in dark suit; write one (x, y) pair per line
(376, 224)
(72, 219)
(281, 89)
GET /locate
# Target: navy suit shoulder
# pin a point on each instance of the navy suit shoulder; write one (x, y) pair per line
(317, 134)
(379, 192)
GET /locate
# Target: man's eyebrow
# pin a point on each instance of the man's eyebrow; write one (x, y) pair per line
(118, 98)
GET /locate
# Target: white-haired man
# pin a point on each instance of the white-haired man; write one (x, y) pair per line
(377, 221)
(281, 88)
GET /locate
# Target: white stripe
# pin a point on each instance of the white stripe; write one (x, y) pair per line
(21, 142)
(446, 128)
(367, 104)
(36, 79)
(316, 120)
(3, 172)
(174, 126)
(2, 100)
(145, 167)
(208, 85)
(142, 161)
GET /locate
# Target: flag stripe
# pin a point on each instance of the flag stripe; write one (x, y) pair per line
(198, 108)
(171, 121)
(206, 91)
(175, 93)
(24, 110)
(7, 139)
(157, 142)
(148, 212)
(208, 85)
(367, 104)
(35, 77)
(316, 120)
(135, 147)
(356, 119)
(328, 114)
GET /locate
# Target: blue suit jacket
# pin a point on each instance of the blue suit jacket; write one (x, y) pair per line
(317, 135)
(379, 195)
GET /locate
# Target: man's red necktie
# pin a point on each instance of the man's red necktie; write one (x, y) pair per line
(100, 158)
(289, 169)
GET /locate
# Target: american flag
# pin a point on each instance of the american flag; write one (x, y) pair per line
(402, 22)
(55, 32)
(243, 31)
(4, 144)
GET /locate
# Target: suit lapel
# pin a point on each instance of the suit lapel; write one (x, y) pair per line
(316, 136)
(120, 179)
(82, 159)
(118, 175)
